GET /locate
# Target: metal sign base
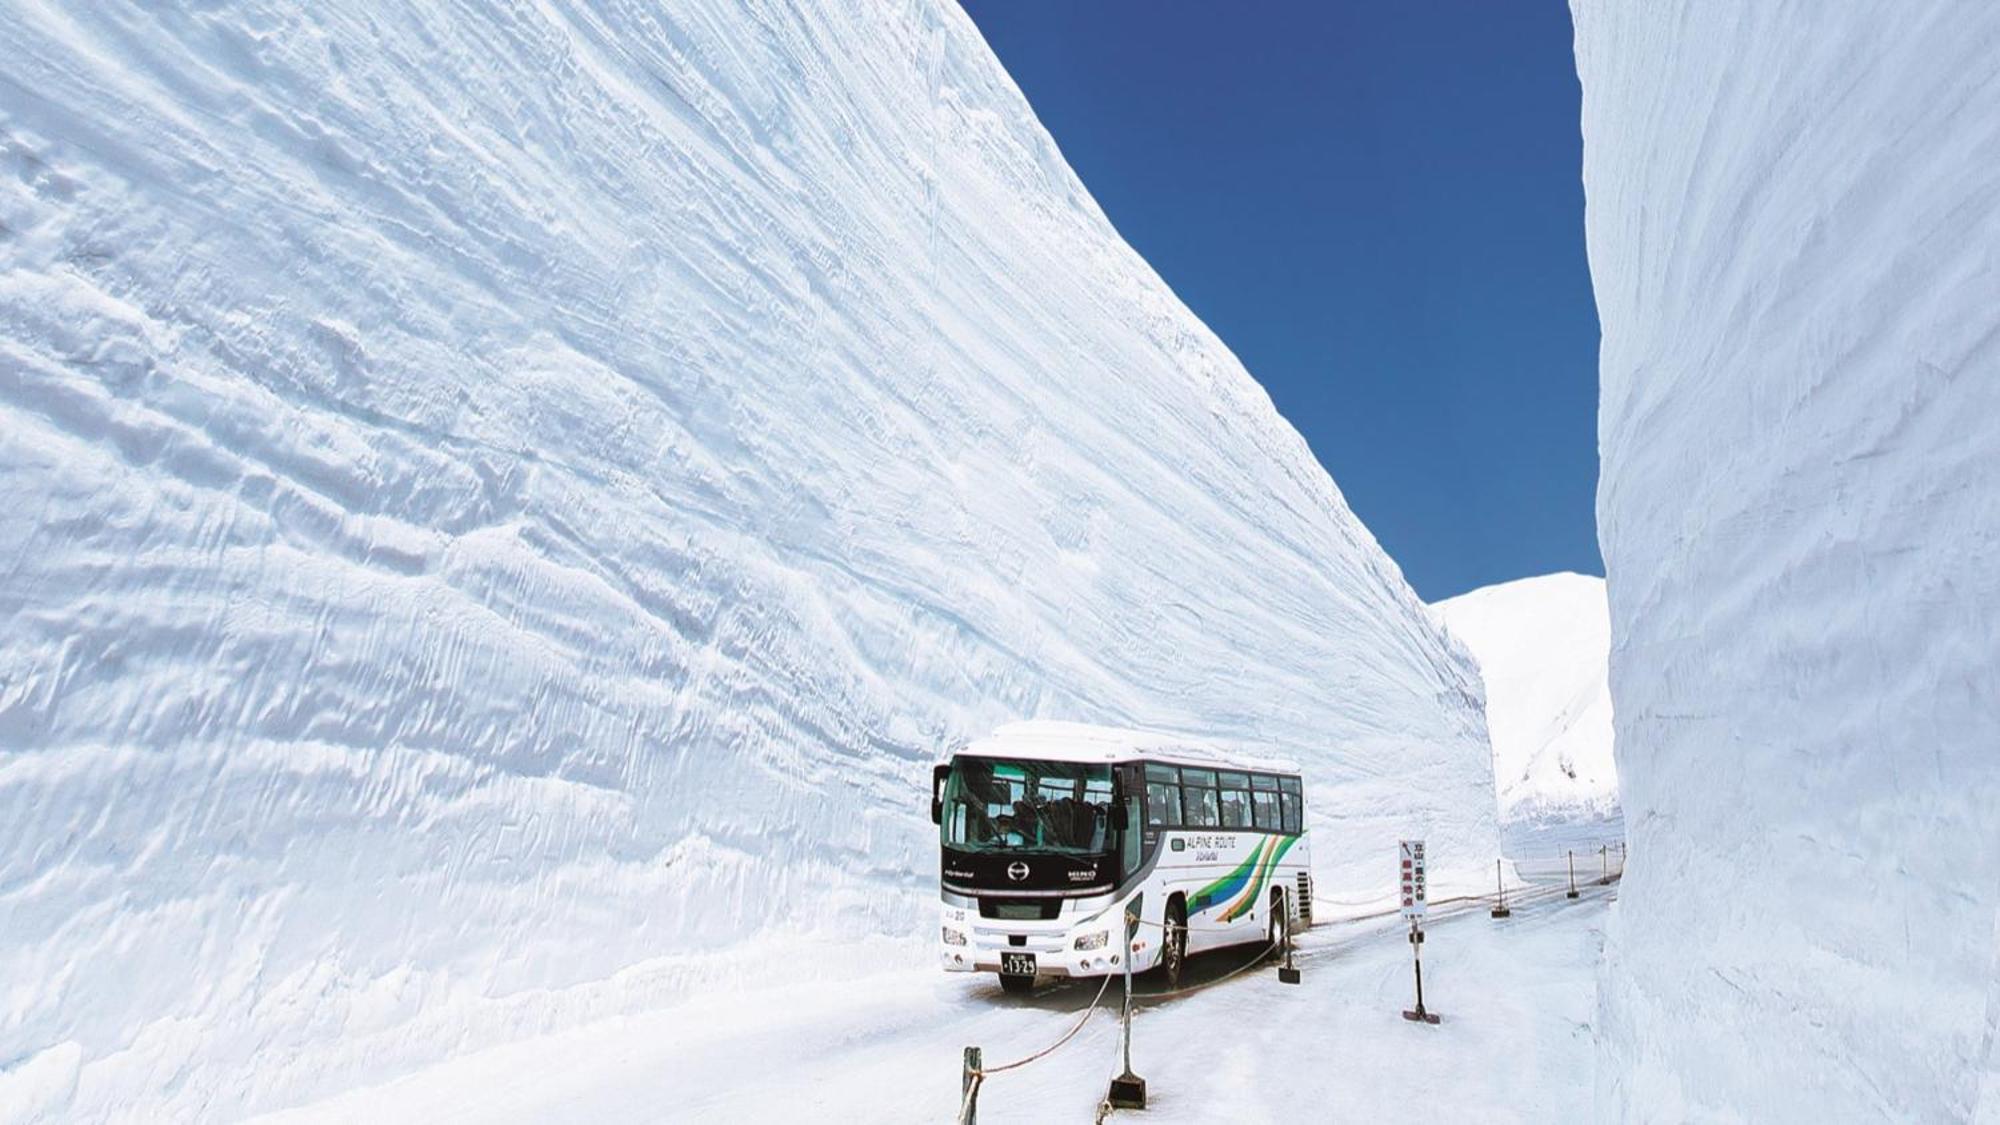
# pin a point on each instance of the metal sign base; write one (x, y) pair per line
(1421, 1016)
(1128, 1091)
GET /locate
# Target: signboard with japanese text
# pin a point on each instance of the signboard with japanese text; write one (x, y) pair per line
(1411, 881)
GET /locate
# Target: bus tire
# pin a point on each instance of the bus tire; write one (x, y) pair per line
(1280, 926)
(1173, 942)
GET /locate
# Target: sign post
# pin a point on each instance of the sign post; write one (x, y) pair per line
(1411, 870)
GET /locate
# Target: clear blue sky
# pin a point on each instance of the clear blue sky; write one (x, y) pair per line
(1377, 207)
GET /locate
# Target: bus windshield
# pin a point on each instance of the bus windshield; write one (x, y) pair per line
(1012, 804)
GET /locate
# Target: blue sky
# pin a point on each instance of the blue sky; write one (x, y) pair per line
(1377, 206)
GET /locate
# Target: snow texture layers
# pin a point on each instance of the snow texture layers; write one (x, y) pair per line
(501, 506)
(1542, 644)
(1794, 234)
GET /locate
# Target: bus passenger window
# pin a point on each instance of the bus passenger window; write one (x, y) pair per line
(1264, 807)
(1290, 807)
(1198, 797)
(1235, 808)
(1200, 807)
(1163, 796)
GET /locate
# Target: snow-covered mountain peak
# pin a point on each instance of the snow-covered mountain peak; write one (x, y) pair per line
(1542, 645)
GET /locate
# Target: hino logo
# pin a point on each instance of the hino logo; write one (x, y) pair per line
(1017, 871)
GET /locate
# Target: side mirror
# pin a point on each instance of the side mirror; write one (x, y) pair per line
(1119, 819)
(938, 774)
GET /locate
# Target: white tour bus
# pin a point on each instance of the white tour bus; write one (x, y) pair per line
(1050, 831)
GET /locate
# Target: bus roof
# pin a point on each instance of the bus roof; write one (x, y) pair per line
(1082, 742)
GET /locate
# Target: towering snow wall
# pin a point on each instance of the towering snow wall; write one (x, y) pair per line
(1541, 644)
(501, 505)
(1794, 229)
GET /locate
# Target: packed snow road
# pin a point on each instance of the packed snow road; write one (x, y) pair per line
(1517, 996)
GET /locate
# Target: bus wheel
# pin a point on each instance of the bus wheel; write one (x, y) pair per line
(1281, 922)
(1016, 986)
(1173, 945)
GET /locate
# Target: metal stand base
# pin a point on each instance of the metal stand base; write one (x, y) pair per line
(1572, 894)
(1128, 1091)
(1502, 912)
(1421, 1016)
(1288, 975)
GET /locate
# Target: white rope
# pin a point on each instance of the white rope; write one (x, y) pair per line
(1534, 893)
(1050, 1049)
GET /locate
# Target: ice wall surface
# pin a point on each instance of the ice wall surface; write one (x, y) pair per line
(501, 505)
(1542, 644)
(1794, 232)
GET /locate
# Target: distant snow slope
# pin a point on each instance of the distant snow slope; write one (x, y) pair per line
(1541, 644)
(501, 505)
(1794, 230)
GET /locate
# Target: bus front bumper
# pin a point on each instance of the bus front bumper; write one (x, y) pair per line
(972, 944)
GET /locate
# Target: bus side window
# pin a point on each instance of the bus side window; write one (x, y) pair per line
(1198, 798)
(1163, 796)
(1264, 806)
(1290, 807)
(1235, 799)
(1200, 807)
(1235, 808)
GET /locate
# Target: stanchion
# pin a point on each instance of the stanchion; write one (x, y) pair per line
(1288, 973)
(1572, 875)
(968, 1088)
(1500, 907)
(1419, 1015)
(1128, 1090)
(1603, 865)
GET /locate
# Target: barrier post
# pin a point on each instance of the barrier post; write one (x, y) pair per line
(1572, 875)
(1603, 865)
(1288, 973)
(1500, 907)
(1128, 1090)
(968, 1088)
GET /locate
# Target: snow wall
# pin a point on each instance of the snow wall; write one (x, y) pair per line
(1792, 215)
(501, 506)
(1541, 645)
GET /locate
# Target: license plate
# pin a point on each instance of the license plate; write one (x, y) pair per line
(1017, 964)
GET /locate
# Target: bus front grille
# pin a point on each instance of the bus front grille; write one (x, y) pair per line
(1020, 909)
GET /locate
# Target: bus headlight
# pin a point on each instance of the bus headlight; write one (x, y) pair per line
(1094, 941)
(953, 937)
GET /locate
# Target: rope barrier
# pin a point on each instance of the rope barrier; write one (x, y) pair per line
(1253, 963)
(1050, 1049)
(977, 1076)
